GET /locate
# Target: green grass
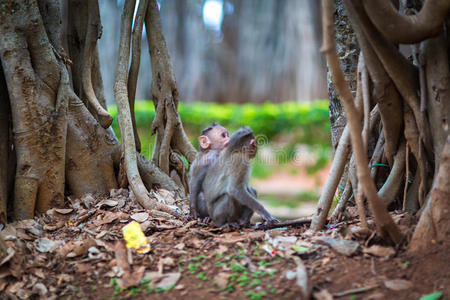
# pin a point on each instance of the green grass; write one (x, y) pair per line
(288, 201)
(285, 124)
(308, 122)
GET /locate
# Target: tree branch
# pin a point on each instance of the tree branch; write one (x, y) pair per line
(404, 29)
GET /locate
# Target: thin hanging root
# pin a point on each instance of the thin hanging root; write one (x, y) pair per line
(403, 73)
(407, 175)
(412, 136)
(124, 115)
(164, 151)
(376, 156)
(366, 101)
(92, 34)
(361, 211)
(337, 168)
(363, 92)
(345, 196)
(390, 188)
(386, 227)
(135, 63)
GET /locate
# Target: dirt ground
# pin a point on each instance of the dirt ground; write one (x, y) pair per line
(80, 253)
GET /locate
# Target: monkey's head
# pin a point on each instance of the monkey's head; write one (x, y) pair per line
(214, 137)
(244, 141)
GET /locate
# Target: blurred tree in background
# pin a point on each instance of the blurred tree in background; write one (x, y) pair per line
(233, 50)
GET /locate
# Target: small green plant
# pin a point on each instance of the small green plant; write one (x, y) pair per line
(236, 267)
(255, 295)
(254, 282)
(433, 296)
(219, 263)
(202, 276)
(198, 258)
(193, 268)
(243, 280)
(264, 263)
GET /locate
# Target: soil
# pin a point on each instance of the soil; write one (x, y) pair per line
(80, 253)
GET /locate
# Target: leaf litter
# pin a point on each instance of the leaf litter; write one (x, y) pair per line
(81, 251)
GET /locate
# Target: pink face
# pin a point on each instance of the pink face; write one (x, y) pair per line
(216, 139)
(253, 147)
(219, 138)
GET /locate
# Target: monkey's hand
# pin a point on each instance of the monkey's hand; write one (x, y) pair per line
(193, 214)
(269, 219)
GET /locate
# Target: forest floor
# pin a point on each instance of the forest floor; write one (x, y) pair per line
(79, 253)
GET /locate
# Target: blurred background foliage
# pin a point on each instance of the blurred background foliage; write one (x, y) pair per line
(283, 129)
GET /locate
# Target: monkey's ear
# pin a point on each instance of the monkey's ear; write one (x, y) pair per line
(204, 141)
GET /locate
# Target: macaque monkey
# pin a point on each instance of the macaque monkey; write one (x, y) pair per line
(230, 200)
(213, 139)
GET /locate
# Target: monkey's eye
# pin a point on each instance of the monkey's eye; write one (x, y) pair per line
(224, 135)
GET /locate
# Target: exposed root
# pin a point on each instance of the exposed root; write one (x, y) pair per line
(340, 207)
(124, 116)
(392, 185)
(170, 135)
(408, 29)
(386, 227)
(434, 224)
(135, 62)
(93, 33)
(337, 168)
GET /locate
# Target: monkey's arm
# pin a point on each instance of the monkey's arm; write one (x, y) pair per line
(199, 169)
(244, 197)
(195, 189)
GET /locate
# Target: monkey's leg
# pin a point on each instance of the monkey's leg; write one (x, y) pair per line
(253, 191)
(202, 208)
(224, 211)
(245, 198)
(246, 215)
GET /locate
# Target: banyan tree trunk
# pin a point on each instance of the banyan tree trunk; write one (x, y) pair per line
(410, 92)
(54, 127)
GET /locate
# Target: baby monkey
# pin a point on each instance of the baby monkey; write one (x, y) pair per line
(229, 198)
(213, 139)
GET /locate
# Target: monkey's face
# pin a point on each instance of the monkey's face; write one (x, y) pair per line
(243, 140)
(219, 138)
(216, 138)
(252, 147)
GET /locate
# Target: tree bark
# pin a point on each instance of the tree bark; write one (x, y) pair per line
(4, 146)
(171, 140)
(434, 224)
(60, 145)
(386, 228)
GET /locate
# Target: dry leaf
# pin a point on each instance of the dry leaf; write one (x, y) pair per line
(63, 211)
(121, 256)
(107, 203)
(222, 279)
(140, 217)
(169, 280)
(180, 246)
(323, 295)
(346, 247)
(380, 251)
(44, 245)
(398, 284)
(131, 278)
